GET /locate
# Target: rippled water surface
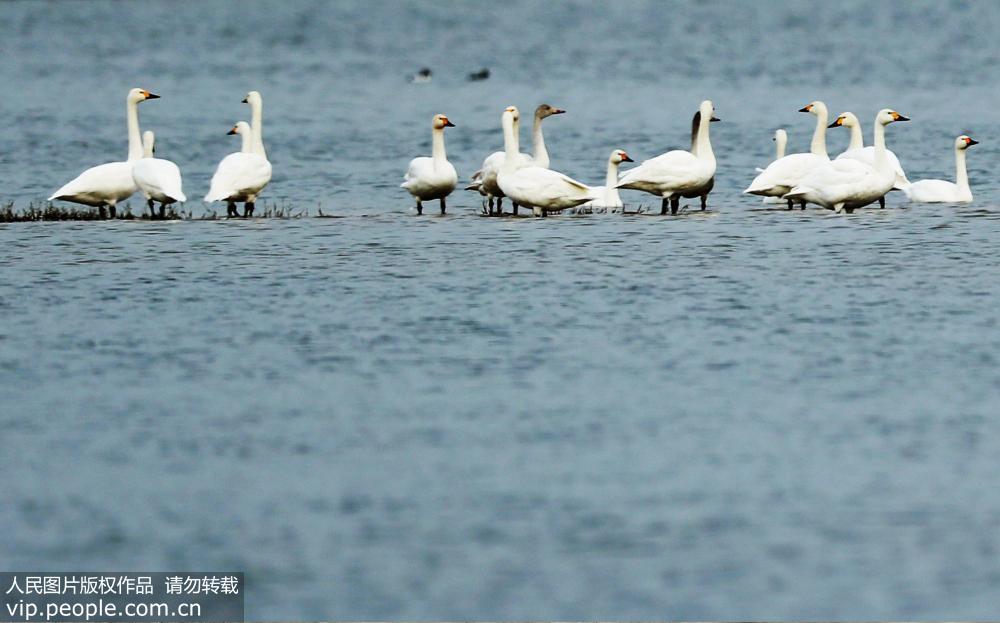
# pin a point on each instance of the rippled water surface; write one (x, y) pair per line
(742, 413)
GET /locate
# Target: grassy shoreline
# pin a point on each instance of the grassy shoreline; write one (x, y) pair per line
(47, 211)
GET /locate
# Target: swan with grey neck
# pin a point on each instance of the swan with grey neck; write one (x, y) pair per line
(434, 177)
(677, 172)
(105, 185)
(942, 191)
(785, 173)
(536, 187)
(702, 192)
(158, 179)
(485, 179)
(848, 184)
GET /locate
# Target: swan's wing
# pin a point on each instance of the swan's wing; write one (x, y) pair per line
(419, 167)
(785, 172)
(238, 174)
(931, 191)
(842, 179)
(673, 169)
(112, 180)
(545, 188)
(159, 177)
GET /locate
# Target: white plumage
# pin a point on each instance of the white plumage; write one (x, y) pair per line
(433, 177)
(943, 191)
(158, 179)
(779, 177)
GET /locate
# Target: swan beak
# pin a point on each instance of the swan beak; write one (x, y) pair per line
(151, 96)
(625, 158)
(448, 123)
(232, 131)
(806, 108)
(244, 101)
(898, 117)
(558, 111)
(971, 141)
(836, 124)
(714, 118)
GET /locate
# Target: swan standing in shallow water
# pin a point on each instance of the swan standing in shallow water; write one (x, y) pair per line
(105, 185)
(701, 192)
(607, 195)
(941, 191)
(539, 188)
(158, 179)
(434, 177)
(485, 179)
(856, 150)
(785, 173)
(780, 139)
(678, 172)
(240, 176)
(847, 184)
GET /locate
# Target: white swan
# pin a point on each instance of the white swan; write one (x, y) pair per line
(847, 184)
(784, 173)
(485, 179)
(240, 176)
(676, 172)
(158, 179)
(701, 192)
(434, 177)
(105, 185)
(941, 191)
(780, 139)
(541, 189)
(256, 121)
(607, 195)
(857, 150)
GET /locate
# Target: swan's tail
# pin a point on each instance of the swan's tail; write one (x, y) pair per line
(476, 186)
(798, 193)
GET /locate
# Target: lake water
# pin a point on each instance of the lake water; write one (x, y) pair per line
(744, 413)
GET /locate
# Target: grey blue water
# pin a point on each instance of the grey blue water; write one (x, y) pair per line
(744, 413)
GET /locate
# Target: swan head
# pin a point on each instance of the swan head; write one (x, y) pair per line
(619, 156)
(148, 143)
(253, 98)
(707, 109)
(441, 122)
(241, 127)
(845, 119)
(140, 95)
(512, 113)
(964, 142)
(817, 108)
(887, 116)
(545, 110)
(780, 136)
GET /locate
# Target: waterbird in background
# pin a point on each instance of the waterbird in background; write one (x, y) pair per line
(607, 196)
(432, 178)
(424, 75)
(856, 150)
(482, 74)
(485, 179)
(847, 184)
(240, 176)
(942, 191)
(105, 185)
(785, 173)
(678, 172)
(780, 139)
(534, 186)
(158, 179)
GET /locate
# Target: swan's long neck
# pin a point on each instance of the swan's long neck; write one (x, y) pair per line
(857, 137)
(134, 139)
(540, 154)
(437, 146)
(961, 174)
(256, 120)
(779, 146)
(510, 146)
(818, 145)
(881, 161)
(695, 123)
(703, 143)
(610, 181)
(247, 145)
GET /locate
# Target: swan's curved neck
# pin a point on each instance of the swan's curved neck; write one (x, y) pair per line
(857, 137)
(510, 144)
(881, 161)
(147, 149)
(134, 139)
(961, 174)
(256, 120)
(818, 145)
(437, 145)
(779, 147)
(703, 143)
(610, 182)
(247, 145)
(540, 154)
(695, 123)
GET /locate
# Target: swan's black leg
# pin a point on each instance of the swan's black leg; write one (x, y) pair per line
(152, 210)
(489, 203)
(247, 209)
(675, 203)
(663, 206)
(514, 203)
(103, 212)
(113, 211)
(163, 210)
(704, 202)
(802, 205)
(231, 209)
(442, 205)
(420, 208)
(881, 202)
(790, 205)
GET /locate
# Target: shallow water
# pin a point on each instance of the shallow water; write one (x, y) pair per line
(743, 413)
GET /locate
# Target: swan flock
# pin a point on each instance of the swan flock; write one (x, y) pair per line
(858, 177)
